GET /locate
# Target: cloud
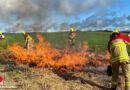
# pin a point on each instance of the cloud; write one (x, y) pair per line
(69, 7)
(102, 20)
(64, 27)
(42, 13)
(128, 17)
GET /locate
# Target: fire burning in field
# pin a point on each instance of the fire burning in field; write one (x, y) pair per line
(46, 56)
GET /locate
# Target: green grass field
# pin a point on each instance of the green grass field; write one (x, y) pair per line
(26, 78)
(60, 39)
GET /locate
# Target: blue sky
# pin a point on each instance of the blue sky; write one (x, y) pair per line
(61, 15)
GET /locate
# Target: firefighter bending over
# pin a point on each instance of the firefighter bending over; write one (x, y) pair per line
(72, 35)
(119, 57)
(28, 40)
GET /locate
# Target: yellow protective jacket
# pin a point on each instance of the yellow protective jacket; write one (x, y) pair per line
(28, 38)
(118, 51)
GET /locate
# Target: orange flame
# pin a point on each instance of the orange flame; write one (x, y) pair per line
(46, 56)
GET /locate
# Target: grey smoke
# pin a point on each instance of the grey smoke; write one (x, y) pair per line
(42, 12)
(69, 7)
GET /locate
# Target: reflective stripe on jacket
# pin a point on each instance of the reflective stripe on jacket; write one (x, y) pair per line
(118, 51)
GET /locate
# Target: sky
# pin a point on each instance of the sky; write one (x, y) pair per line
(61, 15)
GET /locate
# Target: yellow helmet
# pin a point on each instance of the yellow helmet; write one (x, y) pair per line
(0, 32)
(116, 31)
(72, 29)
(23, 32)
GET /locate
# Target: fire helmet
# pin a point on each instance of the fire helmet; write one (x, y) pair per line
(23, 32)
(116, 31)
(72, 29)
(0, 32)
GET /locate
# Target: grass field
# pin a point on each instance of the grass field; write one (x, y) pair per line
(60, 39)
(29, 78)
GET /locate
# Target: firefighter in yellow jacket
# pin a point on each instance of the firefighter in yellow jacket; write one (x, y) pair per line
(28, 40)
(119, 57)
(1, 36)
(72, 35)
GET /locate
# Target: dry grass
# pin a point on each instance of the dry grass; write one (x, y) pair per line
(26, 78)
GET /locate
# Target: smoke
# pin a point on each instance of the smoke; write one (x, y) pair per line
(17, 12)
(20, 8)
(42, 13)
(69, 7)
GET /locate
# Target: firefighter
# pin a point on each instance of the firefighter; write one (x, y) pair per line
(72, 35)
(1, 36)
(119, 57)
(28, 40)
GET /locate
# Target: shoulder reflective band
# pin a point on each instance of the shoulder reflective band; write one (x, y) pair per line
(127, 83)
(128, 73)
(118, 43)
(114, 83)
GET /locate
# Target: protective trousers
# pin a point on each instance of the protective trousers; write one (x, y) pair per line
(126, 72)
(72, 43)
(28, 44)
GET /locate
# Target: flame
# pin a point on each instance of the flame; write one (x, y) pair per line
(44, 55)
(108, 55)
(86, 45)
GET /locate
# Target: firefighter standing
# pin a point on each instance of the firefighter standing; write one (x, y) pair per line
(72, 35)
(28, 40)
(1, 35)
(119, 57)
